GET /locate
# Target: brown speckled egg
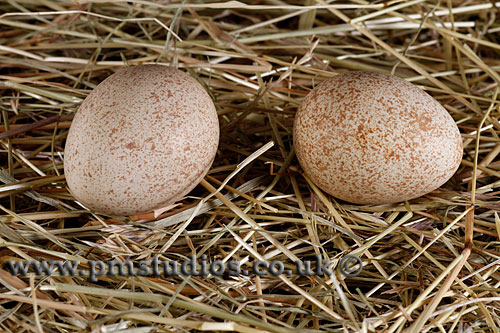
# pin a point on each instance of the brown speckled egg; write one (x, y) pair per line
(141, 140)
(373, 138)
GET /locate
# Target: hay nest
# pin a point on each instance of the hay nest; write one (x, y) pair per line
(429, 264)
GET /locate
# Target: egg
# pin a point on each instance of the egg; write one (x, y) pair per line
(373, 138)
(141, 140)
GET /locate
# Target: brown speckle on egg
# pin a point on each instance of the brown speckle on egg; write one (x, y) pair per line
(373, 138)
(141, 140)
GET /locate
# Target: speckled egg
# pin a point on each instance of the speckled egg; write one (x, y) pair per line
(373, 138)
(141, 140)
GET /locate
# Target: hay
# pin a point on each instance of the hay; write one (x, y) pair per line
(430, 264)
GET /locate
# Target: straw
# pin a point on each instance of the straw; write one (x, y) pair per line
(429, 264)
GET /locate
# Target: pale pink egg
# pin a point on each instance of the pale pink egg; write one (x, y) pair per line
(142, 139)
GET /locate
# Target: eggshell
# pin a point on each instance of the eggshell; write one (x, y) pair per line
(373, 138)
(141, 140)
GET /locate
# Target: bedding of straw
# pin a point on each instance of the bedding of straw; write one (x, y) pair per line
(429, 264)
